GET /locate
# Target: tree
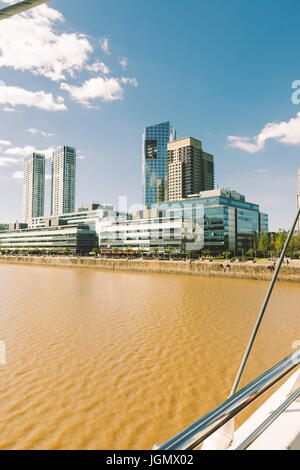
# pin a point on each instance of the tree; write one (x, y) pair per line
(263, 244)
(169, 250)
(255, 240)
(250, 253)
(206, 253)
(280, 241)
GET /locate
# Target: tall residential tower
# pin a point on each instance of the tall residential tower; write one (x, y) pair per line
(190, 169)
(155, 161)
(63, 181)
(34, 187)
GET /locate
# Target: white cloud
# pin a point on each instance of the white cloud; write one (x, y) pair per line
(19, 175)
(4, 143)
(104, 89)
(37, 132)
(48, 52)
(5, 161)
(104, 45)
(16, 96)
(33, 131)
(28, 149)
(285, 132)
(7, 109)
(124, 62)
(129, 81)
(101, 88)
(98, 67)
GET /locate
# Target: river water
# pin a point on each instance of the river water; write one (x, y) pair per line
(103, 360)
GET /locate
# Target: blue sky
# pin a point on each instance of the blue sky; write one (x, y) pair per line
(219, 70)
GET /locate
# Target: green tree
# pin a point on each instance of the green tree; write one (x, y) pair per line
(255, 240)
(281, 238)
(227, 254)
(263, 244)
(169, 250)
(206, 253)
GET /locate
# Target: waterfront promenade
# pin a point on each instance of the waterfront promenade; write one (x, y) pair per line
(261, 270)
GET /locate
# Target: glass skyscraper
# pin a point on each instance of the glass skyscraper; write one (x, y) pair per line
(155, 161)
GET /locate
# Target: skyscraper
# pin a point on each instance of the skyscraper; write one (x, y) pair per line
(190, 169)
(34, 187)
(63, 181)
(155, 161)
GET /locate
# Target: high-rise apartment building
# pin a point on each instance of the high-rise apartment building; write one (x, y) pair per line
(63, 181)
(190, 169)
(34, 187)
(155, 161)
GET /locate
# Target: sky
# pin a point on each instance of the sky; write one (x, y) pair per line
(226, 72)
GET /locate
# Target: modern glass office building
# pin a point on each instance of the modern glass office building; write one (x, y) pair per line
(155, 161)
(228, 221)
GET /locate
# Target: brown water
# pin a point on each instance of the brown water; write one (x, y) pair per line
(101, 360)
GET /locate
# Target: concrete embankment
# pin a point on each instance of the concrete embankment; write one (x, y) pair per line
(196, 268)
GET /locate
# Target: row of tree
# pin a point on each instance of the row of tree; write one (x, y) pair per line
(272, 244)
(267, 245)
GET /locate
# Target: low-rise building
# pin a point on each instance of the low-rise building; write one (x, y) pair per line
(88, 215)
(71, 238)
(148, 233)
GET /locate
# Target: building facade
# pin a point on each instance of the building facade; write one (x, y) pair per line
(55, 238)
(33, 187)
(91, 215)
(63, 181)
(190, 170)
(228, 221)
(155, 161)
(145, 233)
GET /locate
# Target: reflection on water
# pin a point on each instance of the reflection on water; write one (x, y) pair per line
(100, 360)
